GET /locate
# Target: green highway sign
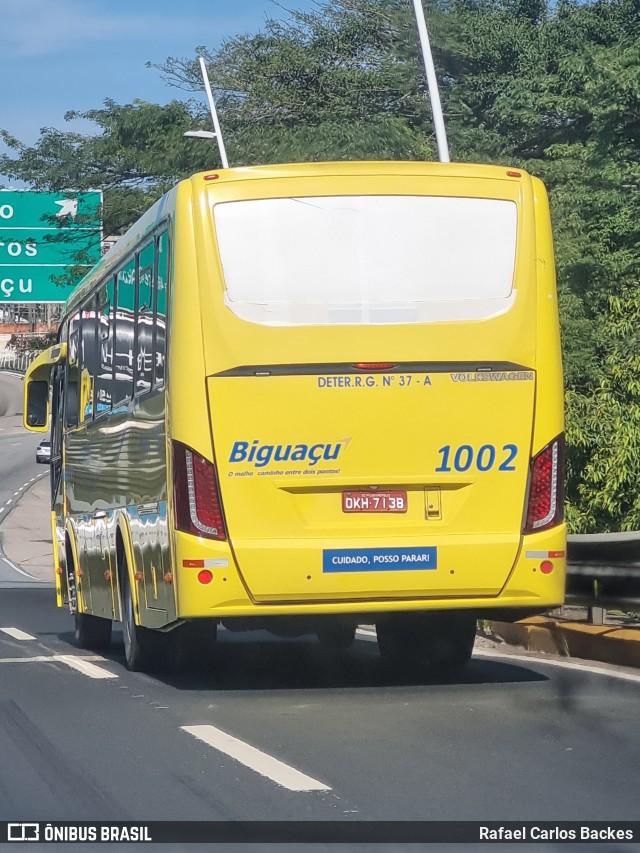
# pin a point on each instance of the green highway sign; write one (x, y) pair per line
(45, 236)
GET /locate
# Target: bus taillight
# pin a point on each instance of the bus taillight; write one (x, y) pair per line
(545, 507)
(198, 508)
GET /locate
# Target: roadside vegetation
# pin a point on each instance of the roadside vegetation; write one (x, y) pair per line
(28, 343)
(550, 87)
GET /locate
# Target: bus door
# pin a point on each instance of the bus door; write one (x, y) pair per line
(64, 590)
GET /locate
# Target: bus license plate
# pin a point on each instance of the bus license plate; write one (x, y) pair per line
(374, 501)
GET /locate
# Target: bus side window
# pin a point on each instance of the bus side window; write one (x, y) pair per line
(71, 384)
(106, 329)
(88, 359)
(161, 291)
(124, 338)
(144, 320)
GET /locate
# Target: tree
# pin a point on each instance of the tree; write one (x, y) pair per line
(137, 154)
(322, 85)
(28, 343)
(552, 87)
(604, 428)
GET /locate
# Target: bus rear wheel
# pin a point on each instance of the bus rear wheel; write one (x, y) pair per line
(92, 632)
(192, 646)
(143, 647)
(336, 638)
(427, 643)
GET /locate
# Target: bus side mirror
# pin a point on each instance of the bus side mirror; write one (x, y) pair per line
(37, 404)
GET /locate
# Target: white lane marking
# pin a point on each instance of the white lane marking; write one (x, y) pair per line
(366, 634)
(264, 764)
(595, 670)
(80, 664)
(45, 658)
(85, 667)
(17, 634)
(370, 636)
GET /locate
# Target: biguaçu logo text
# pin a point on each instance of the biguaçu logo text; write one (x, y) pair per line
(260, 455)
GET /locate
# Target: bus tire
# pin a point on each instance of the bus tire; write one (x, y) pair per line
(72, 590)
(450, 641)
(437, 643)
(192, 646)
(337, 638)
(92, 632)
(143, 647)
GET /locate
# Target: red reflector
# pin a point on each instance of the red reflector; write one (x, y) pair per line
(556, 555)
(546, 567)
(196, 495)
(211, 177)
(546, 499)
(514, 174)
(193, 564)
(374, 365)
(205, 576)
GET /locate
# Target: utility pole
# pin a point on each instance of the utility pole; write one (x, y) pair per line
(432, 84)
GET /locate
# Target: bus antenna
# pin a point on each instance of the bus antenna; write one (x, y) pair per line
(214, 114)
(432, 84)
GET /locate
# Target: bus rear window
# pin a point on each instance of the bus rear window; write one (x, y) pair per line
(366, 259)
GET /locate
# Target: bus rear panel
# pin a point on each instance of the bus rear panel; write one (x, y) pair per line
(381, 380)
(307, 397)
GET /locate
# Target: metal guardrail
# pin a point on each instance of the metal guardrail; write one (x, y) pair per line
(16, 362)
(603, 572)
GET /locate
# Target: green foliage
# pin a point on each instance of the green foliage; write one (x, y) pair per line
(553, 87)
(330, 84)
(29, 343)
(603, 433)
(138, 153)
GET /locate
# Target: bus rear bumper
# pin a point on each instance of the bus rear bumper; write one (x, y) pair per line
(213, 587)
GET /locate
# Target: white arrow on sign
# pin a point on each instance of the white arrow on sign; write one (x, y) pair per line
(68, 207)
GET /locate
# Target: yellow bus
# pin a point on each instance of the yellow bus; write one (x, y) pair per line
(306, 397)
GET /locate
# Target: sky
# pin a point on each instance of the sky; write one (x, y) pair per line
(61, 55)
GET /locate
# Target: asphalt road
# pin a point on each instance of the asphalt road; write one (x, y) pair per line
(17, 446)
(18, 467)
(511, 740)
(276, 730)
